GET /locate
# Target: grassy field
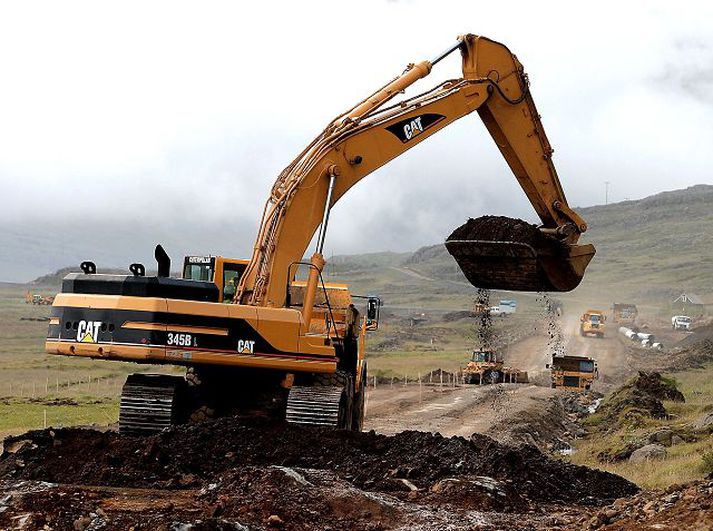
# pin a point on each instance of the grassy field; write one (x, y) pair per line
(684, 462)
(37, 389)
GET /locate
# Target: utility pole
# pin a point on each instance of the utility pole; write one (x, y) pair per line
(606, 192)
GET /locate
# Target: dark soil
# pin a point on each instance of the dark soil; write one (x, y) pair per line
(501, 228)
(506, 263)
(189, 455)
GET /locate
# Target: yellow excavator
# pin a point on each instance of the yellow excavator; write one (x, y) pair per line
(255, 339)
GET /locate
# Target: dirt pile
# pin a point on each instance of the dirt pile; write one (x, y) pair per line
(680, 507)
(696, 356)
(188, 455)
(549, 431)
(641, 397)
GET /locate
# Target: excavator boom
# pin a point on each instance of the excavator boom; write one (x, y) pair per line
(371, 134)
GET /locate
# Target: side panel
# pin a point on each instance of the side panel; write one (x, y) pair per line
(183, 332)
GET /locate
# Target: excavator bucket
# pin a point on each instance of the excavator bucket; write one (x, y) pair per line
(502, 253)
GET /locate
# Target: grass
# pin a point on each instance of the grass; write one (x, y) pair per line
(32, 382)
(18, 415)
(685, 461)
(412, 364)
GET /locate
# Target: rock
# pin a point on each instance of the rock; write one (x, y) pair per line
(704, 421)
(675, 439)
(275, 521)
(662, 436)
(408, 484)
(81, 523)
(650, 452)
(18, 445)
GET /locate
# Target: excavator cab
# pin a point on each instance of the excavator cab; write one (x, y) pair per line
(495, 252)
(224, 272)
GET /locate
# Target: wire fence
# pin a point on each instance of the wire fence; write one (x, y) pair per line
(62, 385)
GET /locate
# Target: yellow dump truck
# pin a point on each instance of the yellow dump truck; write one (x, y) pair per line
(592, 323)
(624, 313)
(573, 373)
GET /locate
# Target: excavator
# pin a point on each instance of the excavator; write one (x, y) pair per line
(254, 338)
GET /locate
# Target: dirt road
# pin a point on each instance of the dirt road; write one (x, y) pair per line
(461, 411)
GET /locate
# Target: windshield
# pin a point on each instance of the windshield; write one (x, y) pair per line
(684, 319)
(586, 366)
(594, 319)
(198, 272)
(484, 356)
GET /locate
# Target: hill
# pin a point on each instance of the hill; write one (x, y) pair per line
(648, 250)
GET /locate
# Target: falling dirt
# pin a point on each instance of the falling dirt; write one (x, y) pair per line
(556, 344)
(484, 326)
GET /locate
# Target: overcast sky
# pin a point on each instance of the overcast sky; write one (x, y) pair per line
(187, 110)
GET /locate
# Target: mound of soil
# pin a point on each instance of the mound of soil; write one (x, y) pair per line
(696, 356)
(194, 454)
(680, 507)
(641, 396)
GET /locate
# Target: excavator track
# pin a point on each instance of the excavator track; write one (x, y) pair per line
(316, 405)
(149, 403)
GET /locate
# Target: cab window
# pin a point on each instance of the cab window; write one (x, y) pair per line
(202, 272)
(231, 278)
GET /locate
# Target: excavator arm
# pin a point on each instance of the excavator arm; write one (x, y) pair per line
(372, 133)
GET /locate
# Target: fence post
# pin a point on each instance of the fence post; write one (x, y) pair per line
(374, 382)
(420, 388)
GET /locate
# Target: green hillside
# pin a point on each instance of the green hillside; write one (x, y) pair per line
(648, 251)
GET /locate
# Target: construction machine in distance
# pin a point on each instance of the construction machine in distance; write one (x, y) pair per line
(592, 323)
(624, 313)
(251, 336)
(38, 299)
(573, 373)
(487, 367)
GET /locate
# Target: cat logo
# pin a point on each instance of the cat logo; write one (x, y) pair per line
(88, 331)
(410, 128)
(245, 346)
